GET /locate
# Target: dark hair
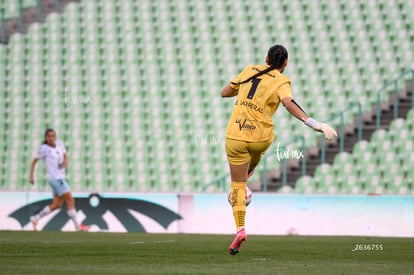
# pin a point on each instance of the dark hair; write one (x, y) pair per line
(277, 55)
(46, 133)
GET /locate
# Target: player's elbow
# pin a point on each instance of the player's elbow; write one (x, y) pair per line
(287, 101)
(288, 106)
(228, 91)
(224, 93)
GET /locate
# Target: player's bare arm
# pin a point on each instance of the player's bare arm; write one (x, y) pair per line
(32, 167)
(298, 112)
(228, 91)
(294, 109)
(65, 161)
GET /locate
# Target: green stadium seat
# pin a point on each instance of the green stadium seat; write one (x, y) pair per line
(153, 71)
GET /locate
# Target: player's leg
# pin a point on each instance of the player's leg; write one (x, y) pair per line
(239, 159)
(236, 152)
(56, 203)
(257, 150)
(238, 174)
(252, 165)
(70, 204)
(66, 196)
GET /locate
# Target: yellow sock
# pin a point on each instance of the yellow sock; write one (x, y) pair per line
(238, 203)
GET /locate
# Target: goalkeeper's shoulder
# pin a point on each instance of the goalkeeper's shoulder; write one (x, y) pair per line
(283, 79)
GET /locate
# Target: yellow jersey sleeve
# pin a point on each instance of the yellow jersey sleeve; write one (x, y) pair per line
(284, 90)
(235, 82)
(257, 101)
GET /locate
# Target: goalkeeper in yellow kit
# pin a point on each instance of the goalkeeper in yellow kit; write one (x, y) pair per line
(259, 90)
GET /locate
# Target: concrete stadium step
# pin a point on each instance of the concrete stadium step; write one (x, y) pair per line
(31, 15)
(351, 137)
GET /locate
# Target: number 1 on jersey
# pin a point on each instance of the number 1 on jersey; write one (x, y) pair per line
(252, 91)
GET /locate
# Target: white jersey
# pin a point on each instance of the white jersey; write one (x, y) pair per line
(53, 158)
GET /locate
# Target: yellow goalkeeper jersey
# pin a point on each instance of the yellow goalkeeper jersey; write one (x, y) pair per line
(256, 102)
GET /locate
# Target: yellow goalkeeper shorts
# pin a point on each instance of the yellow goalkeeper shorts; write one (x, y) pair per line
(241, 152)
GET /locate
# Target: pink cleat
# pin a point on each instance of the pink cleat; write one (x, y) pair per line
(235, 246)
(84, 228)
(34, 222)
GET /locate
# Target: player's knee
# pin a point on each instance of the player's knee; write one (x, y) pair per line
(70, 201)
(55, 205)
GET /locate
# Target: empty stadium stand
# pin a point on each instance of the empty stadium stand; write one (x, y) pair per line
(133, 87)
(382, 166)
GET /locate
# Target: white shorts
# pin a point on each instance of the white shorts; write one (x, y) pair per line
(59, 186)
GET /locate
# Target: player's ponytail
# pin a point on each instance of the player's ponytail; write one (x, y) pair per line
(46, 133)
(277, 56)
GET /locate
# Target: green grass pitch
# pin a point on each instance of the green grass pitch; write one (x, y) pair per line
(137, 253)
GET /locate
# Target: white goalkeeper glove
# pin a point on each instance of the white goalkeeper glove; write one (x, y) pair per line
(327, 130)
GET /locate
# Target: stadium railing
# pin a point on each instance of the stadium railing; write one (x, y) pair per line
(3, 26)
(40, 10)
(340, 115)
(393, 83)
(295, 139)
(222, 182)
(21, 18)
